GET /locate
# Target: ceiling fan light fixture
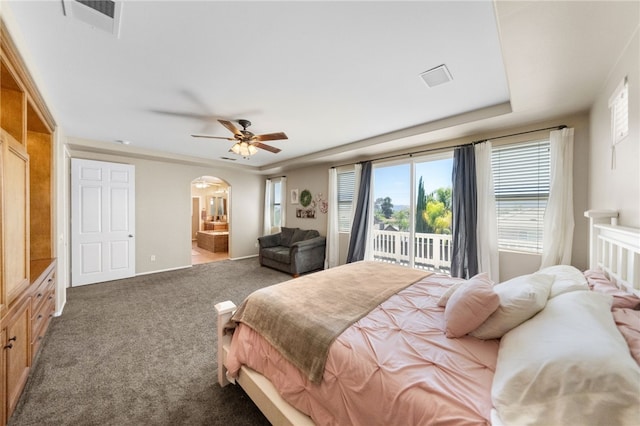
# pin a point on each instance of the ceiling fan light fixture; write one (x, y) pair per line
(244, 148)
(246, 143)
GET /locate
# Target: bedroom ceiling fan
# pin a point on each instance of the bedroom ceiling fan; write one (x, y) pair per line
(247, 143)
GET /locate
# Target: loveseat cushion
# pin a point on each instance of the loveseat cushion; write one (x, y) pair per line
(286, 235)
(279, 254)
(299, 235)
(312, 233)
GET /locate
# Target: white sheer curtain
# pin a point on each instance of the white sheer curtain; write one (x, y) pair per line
(283, 201)
(557, 235)
(266, 226)
(332, 257)
(487, 225)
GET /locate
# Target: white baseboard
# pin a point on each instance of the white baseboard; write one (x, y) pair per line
(163, 270)
(243, 257)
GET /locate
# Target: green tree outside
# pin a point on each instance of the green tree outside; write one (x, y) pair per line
(438, 213)
(421, 205)
(433, 212)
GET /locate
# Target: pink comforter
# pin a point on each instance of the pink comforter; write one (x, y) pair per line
(393, 367)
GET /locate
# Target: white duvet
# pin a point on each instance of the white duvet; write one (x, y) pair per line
(568, 365)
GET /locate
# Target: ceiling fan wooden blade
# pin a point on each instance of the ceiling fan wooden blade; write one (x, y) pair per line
(213, 137)
(266, 147)
(271, 137)
(231, 127)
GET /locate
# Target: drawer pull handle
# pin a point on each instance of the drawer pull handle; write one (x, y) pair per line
(39, 295)
(50, 297)
(49, 280)
(10, 345)
(40, 316)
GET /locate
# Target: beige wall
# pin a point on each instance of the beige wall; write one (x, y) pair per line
(617, 188)
(163, 210)
(316, 180)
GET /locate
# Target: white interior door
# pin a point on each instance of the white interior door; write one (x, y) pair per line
(102, 221)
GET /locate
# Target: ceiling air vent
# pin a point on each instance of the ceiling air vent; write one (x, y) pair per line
(436, 76)
(101, 14)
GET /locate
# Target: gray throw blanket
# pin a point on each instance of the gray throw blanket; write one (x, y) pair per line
(302, 317)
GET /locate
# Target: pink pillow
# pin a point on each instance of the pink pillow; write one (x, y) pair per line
(621, 299)
(470, 305)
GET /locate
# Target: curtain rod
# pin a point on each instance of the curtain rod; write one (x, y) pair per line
(560, 127)
(446, 148)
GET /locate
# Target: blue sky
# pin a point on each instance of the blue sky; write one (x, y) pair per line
(393, 181)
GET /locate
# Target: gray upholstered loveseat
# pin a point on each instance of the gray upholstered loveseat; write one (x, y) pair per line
(293, 250)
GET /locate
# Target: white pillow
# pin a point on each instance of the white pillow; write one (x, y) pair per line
(520, 299)
(568, 278)
(567, 365)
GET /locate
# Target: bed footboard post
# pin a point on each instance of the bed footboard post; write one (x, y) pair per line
(224, 312)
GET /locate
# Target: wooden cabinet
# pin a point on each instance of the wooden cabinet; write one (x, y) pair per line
(27, 251)
(15, 218)
(17, 352)
(216, 226)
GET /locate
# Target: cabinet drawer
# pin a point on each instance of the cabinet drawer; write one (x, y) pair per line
(40, 324)
(42, 314)
(40, 296)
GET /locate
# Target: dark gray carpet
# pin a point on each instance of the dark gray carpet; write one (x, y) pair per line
(142, 351)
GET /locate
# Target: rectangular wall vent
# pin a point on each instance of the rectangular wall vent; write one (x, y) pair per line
(436, 76)
(102, 14)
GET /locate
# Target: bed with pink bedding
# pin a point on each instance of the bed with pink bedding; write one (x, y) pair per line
(553, 347)
(394, 366)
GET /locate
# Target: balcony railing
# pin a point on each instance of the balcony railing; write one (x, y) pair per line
(431, 251)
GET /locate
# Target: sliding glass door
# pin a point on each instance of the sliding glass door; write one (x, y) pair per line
(432, 218)
(391, 229)
(412, 212)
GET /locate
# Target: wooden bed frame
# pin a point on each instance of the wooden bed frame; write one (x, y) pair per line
(612, 248)
(261, 391)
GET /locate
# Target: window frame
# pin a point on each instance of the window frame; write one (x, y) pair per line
(527, 194)
(276, 201)
(619, 106)
(345, 205)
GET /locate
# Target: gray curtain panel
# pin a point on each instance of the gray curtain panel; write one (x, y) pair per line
(358, 240)
(464, 260)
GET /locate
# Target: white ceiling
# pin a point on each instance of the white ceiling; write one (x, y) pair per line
(340, 78)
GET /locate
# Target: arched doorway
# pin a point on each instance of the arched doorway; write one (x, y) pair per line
(209, 220)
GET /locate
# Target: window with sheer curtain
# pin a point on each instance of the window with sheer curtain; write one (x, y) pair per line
(274, 212)
(346, 189)
(521, 174)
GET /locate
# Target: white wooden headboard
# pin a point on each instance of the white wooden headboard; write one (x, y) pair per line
(614, 249)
